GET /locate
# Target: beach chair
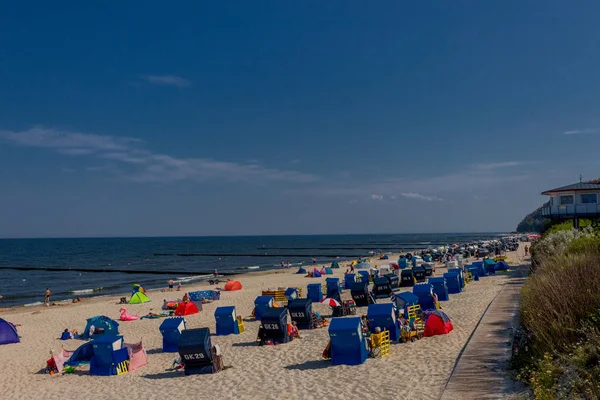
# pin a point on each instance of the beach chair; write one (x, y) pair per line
(301, 313)
(348, 345)
(380, 344)
(226, 321)
(198, 355)
(384, 317)
(110, 356)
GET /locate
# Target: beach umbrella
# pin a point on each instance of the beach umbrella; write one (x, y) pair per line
(330, 302)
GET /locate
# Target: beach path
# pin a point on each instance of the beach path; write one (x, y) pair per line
(481, 371)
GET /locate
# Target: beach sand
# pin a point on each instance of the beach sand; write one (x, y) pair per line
(295, 370)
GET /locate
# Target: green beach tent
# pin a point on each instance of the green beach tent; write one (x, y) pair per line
(335, 264)
(139, 297)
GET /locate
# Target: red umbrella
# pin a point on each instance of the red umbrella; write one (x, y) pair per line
(330, 302)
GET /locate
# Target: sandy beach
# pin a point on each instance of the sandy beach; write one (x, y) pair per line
(295, 370)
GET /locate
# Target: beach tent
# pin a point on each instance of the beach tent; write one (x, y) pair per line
(82, 355)
(110, 356)
(137, 355)
(8, 333)
(335, 264)
(171, 329)
(301, 313)
(383, 257)
(274, 325)
(404, 300)
(348, 345)
(424, 291)
(316, 274)
(323, 271)
(262, 304)
(383, 316)
(187, 308)
(501, 266)
(138, 298)
(226, 321)
(437, 323)
(328, 271)
(102, 326)
(439, 288)
(314, 291)
(301, 271)
(233, 285)
(403, 263)
(195, 349)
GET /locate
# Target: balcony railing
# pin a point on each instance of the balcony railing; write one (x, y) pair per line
(572, 210)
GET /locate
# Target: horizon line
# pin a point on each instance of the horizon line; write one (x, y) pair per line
(254, 235)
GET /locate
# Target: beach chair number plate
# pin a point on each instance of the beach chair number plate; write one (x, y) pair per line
(193, 356)
(298, 314)
(272, 326)
(122, 367)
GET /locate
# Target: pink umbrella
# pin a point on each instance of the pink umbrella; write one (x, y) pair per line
(330, 302)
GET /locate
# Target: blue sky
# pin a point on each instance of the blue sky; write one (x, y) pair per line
(283, 117)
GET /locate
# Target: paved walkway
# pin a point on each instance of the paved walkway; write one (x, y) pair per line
(481, 369)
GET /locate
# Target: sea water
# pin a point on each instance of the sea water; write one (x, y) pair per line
(170, 258)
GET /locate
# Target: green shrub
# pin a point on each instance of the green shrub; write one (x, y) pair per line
(583, 244)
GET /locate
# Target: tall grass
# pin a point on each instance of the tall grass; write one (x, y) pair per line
(562, 294)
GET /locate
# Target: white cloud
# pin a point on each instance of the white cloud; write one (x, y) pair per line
(166, 80)
(419, 196)
(503, 164)
(144, 165)
(580, 131)
(377, 197)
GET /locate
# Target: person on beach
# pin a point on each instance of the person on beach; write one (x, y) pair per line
(295, 334)
(47, 297)
(179, 286)
(170, 285)
(314, 260)
(186, 298)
